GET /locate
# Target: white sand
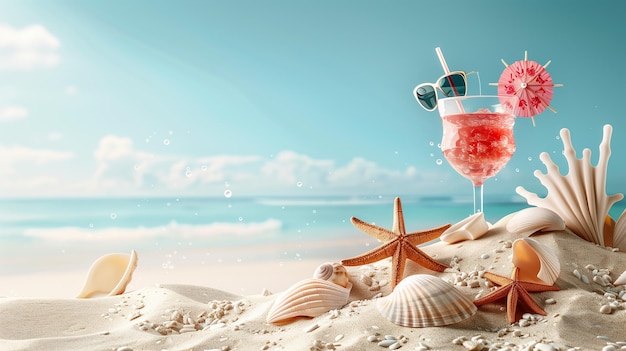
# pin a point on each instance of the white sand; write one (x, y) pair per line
(44, 323)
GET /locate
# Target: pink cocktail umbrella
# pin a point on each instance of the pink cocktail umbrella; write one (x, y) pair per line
(531, 83)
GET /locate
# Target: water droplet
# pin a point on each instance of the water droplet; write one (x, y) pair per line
(91, 225)
(204, 168)
(558, 137)
(299, 184)
(113, 215)
(432, 155)
(226, 184)
(530, 158)
(314, 211)
(240, 219)
(171, 132)
(188, 173)
(516, 170)
(439, 162)
(431, 143)
(228, 193)
(166, 141)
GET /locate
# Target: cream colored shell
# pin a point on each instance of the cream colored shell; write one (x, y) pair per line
(308, 298)
(621, 280)
(536, 262)
(534, 219)
(109, 275)
(423, 300)
(470, 228)
(580, 197)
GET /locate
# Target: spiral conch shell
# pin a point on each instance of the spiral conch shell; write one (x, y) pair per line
(580, 196)
(311, 297)
(470, 228)
(423, 300)
(333, 272)
(536, 262)
(535, 219)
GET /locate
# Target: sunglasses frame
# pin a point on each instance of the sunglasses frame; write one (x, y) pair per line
(438, 85)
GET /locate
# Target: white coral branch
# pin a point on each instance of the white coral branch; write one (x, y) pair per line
(580, 196)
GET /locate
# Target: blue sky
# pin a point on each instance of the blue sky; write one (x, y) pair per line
(304, 98)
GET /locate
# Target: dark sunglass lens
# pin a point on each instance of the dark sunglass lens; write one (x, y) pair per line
(453, 85)
(426, 96)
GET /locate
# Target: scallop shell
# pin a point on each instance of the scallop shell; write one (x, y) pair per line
(109, 275)
(536, 262)
(470, 228)
(333, 272)
(423, 300)
(308, 298)
(580, 197)
(535, 219)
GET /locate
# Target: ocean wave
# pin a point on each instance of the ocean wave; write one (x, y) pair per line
(172, 230)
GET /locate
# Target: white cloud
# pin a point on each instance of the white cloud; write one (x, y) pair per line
(27, 48)
(14, 112)
(119, 169)
(17, 154)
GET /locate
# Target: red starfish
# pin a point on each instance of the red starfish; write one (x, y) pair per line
(514, 290)
(398, 245)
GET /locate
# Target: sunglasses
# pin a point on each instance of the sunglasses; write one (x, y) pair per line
(451, 84)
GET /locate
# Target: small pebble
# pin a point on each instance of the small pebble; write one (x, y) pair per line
(609, 348)
(124, 348)
(484, 256)
(544, 347)
(311, 328)
(606, 309)
(387, 343)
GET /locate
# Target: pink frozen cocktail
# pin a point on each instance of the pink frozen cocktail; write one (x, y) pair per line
(478, 137)
(478, 145)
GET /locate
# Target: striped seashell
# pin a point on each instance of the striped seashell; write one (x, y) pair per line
(423, 300)
(308, 298)
(333, 272)
(535, 219)
(470, 228)
(536, 262)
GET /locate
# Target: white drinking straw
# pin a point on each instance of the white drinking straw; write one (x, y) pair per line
(442, 60)
(446, 70)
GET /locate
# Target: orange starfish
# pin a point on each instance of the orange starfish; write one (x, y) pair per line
(515, 290)
(398, 245)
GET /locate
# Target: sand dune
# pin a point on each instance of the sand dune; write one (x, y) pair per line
(188, 317)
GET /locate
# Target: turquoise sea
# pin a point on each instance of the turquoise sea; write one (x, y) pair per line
(39, 235)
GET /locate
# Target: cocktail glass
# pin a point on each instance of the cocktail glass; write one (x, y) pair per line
(478, 137)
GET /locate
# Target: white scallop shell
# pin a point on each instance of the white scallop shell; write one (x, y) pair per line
(423, 300)
(579, 197)
(534, 219)
(109, 275)
(333, 272)
(470, 228)
(308, 298)
(536, 262)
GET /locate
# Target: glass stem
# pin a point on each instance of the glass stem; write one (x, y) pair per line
(478, 198)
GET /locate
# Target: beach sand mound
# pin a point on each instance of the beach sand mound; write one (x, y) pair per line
(185, 317)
